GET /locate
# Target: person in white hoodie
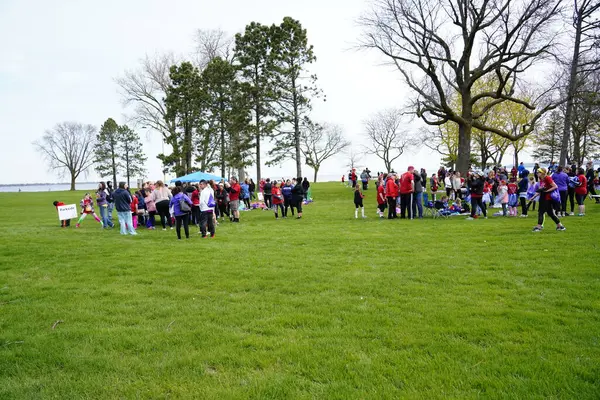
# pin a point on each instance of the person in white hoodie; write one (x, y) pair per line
(207, 208)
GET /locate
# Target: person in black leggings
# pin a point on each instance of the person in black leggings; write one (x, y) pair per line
(547, 186)
(475, 184)
(182, 217)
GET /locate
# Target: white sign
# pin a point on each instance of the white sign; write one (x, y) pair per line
(67, 212)
(260, 196)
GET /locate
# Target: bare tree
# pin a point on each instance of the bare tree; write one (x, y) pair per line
(353, 159)
(210, 44)
(587, 38)
(446, 46)
(386, 138)
(320, 142)
(68, 148)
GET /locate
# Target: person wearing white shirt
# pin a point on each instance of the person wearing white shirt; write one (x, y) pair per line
(207, 208)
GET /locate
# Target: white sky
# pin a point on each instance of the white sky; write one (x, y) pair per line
(59, 61)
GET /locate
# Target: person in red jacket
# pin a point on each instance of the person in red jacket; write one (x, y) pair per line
(353, 177)
(195, 216)
(234, 189)
(407, 187)
(64, 222)
(277, 199)
(381, 202)
(391, 193)
(581, 191)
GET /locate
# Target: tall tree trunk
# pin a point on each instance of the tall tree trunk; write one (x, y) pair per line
(222, 149)
(72, 180)
(114, 168)
(571, 91)
(241, 174)
(316, 168)
(257, 121)
(516, 154)
(465, 131)
(297, 131)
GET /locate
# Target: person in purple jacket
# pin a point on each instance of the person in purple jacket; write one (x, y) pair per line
(182, 217)
(562, 181)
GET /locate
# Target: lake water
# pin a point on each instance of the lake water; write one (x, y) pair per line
(48, 187)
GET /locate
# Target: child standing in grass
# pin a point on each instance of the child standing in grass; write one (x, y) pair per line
(531, 191)
(87, 207)
(358, 202)
(277, 199)
(134, 211)
(503, 196)
(513, 199)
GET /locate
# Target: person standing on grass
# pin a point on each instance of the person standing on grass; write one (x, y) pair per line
(407, 188)
(391, 192)
(245, 194)
(123, 201)
(222, 201)
(234, 190)
(298, 196)
(151, 208)
(523, 186)
(207, 202)
(581, 191)
(286, 191)
(277, 200)
(503, 197)
(110, 202)
(562, 182)
(381, 202)
(457, 185)
(252, 189)
(448, 184)
(358, 202)
(589, 176)
(573, 183)
(87, 207)
(513, 197)
(417, 201)
(162, 196)
(305, 187)
(101, 200)
(546, 187)
(181, 217)
(475, 185)
(267, 191)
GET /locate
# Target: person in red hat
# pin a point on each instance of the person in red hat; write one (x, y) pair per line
(407, 188)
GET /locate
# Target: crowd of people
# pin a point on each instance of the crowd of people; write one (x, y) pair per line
(200, 204)
(554, 190)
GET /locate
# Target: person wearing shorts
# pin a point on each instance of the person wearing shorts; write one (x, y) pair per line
(234, 189)
(581, 191)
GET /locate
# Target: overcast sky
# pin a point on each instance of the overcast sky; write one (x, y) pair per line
(59, 61)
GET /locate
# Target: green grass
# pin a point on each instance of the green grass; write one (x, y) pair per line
(327, 307)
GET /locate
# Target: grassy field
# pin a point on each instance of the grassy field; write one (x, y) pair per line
(326, 307)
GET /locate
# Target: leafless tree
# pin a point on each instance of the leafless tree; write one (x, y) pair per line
(212, 43)
(68, 148)
(446, 46)
(145, 90)
(387, 140)
(354, 158)
(585, 59)
(320, 142)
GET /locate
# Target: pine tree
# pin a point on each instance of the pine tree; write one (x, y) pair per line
(132, 154)
(295, 88)
(106, 155)
(253, 51)
(547, 140)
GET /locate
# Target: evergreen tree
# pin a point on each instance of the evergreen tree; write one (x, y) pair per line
(184, 103)
(106, 156)
(132, 154)
(547, 140)
(295, 88)
(253, 51)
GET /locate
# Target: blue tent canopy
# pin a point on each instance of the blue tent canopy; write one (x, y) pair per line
(197, 177)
